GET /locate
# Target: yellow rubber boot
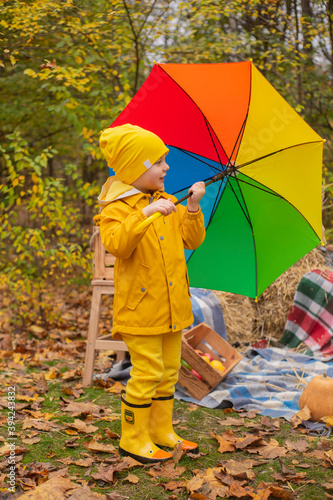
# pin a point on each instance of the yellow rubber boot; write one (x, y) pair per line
(160, 426)
(135, 441)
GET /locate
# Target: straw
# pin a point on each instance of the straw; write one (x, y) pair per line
(247, 321)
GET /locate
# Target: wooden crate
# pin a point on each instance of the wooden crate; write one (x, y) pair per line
(207, 340)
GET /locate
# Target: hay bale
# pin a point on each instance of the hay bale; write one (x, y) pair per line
(239, 316)
(247, 321)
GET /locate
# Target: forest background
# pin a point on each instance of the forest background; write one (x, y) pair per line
(68, 68)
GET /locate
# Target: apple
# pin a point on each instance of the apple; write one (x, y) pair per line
(209, 356)
(217, 365)
(196, 374)
(199, 352)
(206, 358)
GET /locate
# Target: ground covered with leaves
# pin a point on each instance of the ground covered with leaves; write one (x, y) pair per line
(59, 440)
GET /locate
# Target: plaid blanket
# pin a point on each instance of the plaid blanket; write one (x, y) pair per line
(207, 308)
(310, 319)
(268, 380)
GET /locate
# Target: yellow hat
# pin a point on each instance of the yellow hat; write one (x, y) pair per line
(130, 150)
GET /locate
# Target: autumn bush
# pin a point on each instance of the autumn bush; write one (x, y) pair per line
(44, 241)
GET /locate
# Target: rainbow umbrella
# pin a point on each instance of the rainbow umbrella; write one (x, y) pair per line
(225, 122)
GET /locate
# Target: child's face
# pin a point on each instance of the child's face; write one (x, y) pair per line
(153, 179)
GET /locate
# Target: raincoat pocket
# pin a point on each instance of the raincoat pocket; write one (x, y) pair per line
(139, 287)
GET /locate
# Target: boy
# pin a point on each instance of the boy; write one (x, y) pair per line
(152, 300)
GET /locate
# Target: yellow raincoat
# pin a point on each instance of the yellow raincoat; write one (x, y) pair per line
(151, 282)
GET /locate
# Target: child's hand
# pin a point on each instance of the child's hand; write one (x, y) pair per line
(198, 190)
(165, 207)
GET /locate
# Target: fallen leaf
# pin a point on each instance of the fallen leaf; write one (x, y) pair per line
(238, 469)
(272, 449)
(300, 417)
(106, 474)
(206, 482)
(71, 443)
(328, 486)
(132, 479)
(198, 496)
(83, 409)
(300, 446)
(38, 415)
(174, 485)
(269, 422)
(236, 490)
(84, 462)
(301, 466)
(36, 424)
(296, 477)
(51, 374)
(84, 492)
(178, 453)
(249, 439)
(195, 483)
(125, 463)
(96, 446)
(329, 458)
(116, 388)
(6, 343)
(110, 418)
(226, 441)
(54, 488)
(70, 375)
(111, 435)
(328, 420)
(279, 492)
(42, 386)
(250, 414)
(73, 392)
(30, 399)
(317, 454)
(82, 426)
(33, 440)
(167, 470)
(116, 496)
(232, 421)
(38, 331)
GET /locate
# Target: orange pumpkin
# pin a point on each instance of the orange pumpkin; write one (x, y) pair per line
(318, 397)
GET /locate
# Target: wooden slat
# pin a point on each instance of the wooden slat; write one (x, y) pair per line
(106, 343)
(109, 259)
(103, 261)
(109, 273)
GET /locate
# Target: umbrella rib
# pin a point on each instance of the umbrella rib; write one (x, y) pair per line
(248, 218)
(211, 136)
(273, 153)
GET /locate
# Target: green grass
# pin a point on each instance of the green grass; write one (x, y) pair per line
(195, 425)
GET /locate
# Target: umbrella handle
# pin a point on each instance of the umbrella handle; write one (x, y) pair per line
(149, 220)
(156, 215)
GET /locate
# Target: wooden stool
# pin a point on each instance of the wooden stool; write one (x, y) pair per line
(103, 284)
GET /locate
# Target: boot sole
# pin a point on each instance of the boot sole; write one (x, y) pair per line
(188, 450)
(139, 458)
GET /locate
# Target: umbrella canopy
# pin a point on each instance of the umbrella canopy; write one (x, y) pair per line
(265, 215)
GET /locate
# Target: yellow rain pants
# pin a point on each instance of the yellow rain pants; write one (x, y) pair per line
(156, 363)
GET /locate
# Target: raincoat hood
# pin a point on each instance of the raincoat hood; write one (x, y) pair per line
(114, 189)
